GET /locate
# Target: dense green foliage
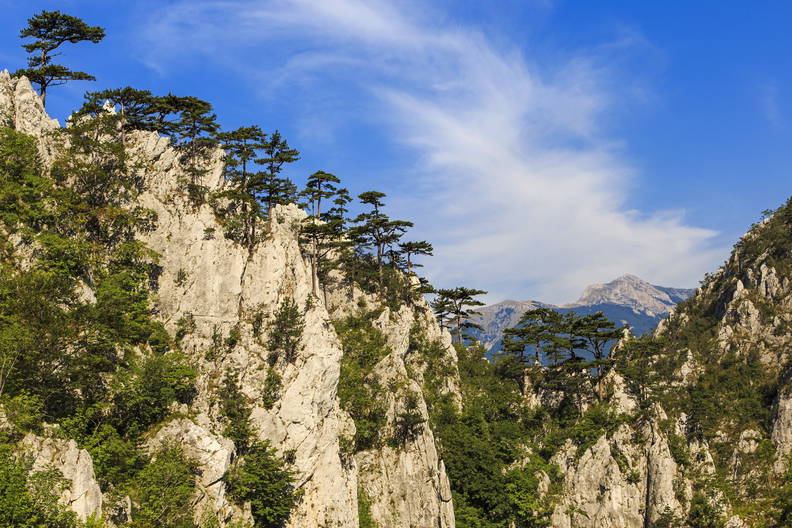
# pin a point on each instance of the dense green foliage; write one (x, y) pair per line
(100, 366)
(235, 410)
(263, 479)
(358, 391)
(364, 511)
(162, 491)
(285, 332)
(485, 446)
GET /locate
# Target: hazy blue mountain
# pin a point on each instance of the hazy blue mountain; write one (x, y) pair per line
(625, 300)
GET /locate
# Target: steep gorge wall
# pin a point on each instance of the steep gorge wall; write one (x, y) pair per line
(214, 291)
(738, 322)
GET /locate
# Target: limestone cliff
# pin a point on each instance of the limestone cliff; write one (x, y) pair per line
(216, 295)
(718, 437)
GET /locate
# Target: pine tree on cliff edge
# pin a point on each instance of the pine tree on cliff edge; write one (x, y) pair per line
(51, 29)
(452, 309)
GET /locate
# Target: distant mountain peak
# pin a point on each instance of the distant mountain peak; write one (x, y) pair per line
(633, 292)
(627, 299)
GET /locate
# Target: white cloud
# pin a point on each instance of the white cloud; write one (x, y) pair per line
(768, 101)
(516, 182)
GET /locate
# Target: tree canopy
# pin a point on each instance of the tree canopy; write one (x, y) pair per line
(50, 30)
(451, 306)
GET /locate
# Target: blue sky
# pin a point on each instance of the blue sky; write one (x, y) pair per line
(540, 145)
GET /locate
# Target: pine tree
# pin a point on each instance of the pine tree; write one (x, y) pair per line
(376, 231)
(535, 332)
(196, 134)
(135, 106)
(241, 146)
(454, 304)
(275, 189)
(411, 249)
(163, 111)
(321, 185)
(51, 29)
(637, 362)
(597, 331)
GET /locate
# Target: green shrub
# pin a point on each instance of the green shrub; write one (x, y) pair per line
(668, 519)
(257, 323)
(115, 459)
(235, 410)
(782, 499)
(234, 335)
(482, 446)
(181, 277)
(143, 392)
(162, 491)
(408, 423)
(678, 446)
(272, 388)
(262, 479)
(365, 520)
(359, 394)
(25, 411)
(703, 514)
(285, 332)
(526, 505)
(217, 346)
(437, 368)
(185, 325)
(23, 187)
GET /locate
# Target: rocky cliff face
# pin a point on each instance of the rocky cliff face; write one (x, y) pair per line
(210, 288)
(717, 439)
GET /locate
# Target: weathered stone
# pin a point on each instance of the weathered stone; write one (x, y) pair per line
(83, 495)
(221, 287)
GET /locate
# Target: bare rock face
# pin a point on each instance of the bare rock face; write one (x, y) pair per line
(219, 299)
(782, 428)
(22, 110)
(613, 387)
(220, 287)
(617, 482)
(407, 483)
(83, 495)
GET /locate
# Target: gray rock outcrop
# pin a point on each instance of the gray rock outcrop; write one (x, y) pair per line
(82, 493)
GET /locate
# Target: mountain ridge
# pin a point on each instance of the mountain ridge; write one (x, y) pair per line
(627, 299)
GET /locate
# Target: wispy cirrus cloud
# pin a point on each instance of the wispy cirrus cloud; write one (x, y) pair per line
(769, 104)
(514, 177)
